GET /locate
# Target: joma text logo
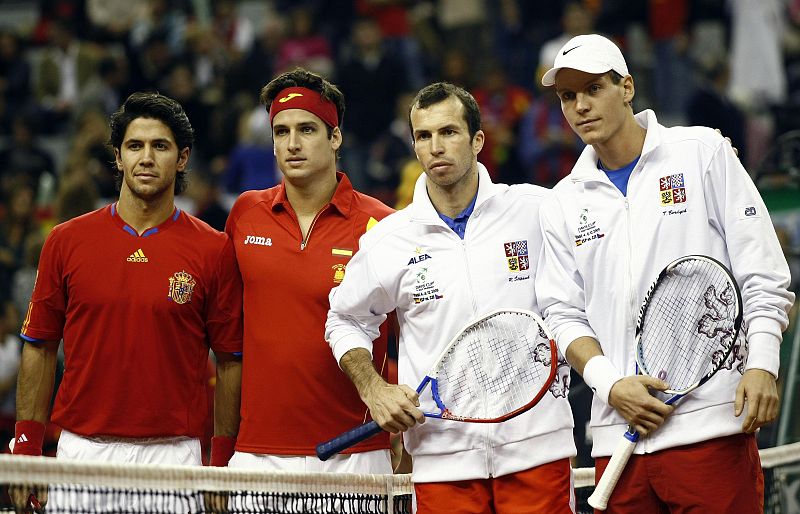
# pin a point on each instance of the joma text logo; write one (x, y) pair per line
(258, 240)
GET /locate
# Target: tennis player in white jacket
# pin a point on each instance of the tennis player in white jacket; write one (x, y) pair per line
(640, 196)
(464, 247)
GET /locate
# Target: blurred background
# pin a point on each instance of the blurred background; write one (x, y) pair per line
(66, 65)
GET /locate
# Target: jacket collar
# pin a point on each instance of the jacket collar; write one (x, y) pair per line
(422, 208)
(586, 167)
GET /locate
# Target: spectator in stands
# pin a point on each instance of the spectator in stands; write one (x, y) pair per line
(371, 80)
(710, 106)
(547, 147)
(304, 47)
(65, 68)
(15, 79)
(502, 106)
(102, 91)
(24, 160)
(251, 164)
(161, 16)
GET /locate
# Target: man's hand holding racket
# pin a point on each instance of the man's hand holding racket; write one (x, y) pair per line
(393, 407)
(632, 399)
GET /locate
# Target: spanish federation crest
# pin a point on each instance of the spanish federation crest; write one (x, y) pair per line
(181, 285)
(338, 272)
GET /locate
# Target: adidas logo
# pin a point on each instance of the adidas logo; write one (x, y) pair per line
(22, 439)
(137, 256)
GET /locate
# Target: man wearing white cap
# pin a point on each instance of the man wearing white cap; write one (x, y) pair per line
(609, 228)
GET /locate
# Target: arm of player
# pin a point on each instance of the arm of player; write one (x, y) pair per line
(34, 390)
(37, 373)
(393, 407)
(227, 400)
(630, 396)
(757, 390)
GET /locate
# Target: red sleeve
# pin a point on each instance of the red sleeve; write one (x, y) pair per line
(46, 310)
(224, 310)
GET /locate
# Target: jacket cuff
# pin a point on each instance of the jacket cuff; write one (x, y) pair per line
(764, 350)
(570, 332)
(346, 343)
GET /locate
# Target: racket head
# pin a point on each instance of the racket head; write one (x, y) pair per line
(495, 368)
(688, 323)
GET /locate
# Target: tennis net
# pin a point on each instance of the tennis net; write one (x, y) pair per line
(102, 487)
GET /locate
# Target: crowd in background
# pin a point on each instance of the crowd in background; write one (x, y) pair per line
(66, 65)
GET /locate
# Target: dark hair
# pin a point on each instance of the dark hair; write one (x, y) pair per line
(441, 91)
(615, 77)
(158, 107)
(300, 77)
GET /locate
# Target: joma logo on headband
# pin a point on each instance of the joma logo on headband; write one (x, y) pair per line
(289, 97)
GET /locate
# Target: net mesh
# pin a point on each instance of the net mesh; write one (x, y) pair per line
(688, 327)
(497, 366)
(99, 487)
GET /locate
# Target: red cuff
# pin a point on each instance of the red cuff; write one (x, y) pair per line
(28, 438)
(222, 448)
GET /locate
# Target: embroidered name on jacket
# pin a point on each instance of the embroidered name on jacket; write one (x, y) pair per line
(587, 230)
(672, 189)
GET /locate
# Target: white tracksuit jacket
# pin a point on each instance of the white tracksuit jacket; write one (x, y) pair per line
(688, 194)
(413, 262)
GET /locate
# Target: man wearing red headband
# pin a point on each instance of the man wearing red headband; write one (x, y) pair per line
(293, 244)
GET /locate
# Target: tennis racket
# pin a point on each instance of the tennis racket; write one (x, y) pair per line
(687, 327)
(495, 368)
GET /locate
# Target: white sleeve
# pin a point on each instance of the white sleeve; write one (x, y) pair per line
(559, 285)
(757, 261)
(358, 306)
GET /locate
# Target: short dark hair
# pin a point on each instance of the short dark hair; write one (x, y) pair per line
(441, 91)
(615, 77)
(158, 107)
(300, 77)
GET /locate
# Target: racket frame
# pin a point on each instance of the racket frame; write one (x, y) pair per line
(353, 436)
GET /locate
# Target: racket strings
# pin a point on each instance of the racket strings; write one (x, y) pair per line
(495, 368)
(688, 324)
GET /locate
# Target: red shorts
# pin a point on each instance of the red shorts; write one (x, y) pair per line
(719, 476)
(546, 488)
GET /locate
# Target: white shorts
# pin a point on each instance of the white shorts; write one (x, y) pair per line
(372, 462)
(171, 451)
(177, 451)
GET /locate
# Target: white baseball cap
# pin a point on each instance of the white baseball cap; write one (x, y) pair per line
(590, 53)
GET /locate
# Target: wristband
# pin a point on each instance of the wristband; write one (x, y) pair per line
(28, 438)
(222, 448)
(601, 375)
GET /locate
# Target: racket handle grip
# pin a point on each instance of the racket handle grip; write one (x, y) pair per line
(346, 440)
(616, 465)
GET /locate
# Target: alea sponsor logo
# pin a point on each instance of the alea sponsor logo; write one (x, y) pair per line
(258, 240)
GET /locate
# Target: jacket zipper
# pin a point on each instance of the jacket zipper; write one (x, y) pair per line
(304, 242)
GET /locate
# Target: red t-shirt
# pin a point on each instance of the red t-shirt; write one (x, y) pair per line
(137, 315)
(294, 395)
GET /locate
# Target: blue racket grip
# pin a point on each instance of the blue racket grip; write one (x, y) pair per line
(346, 440)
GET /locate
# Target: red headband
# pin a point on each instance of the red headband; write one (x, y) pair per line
(306, 99)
